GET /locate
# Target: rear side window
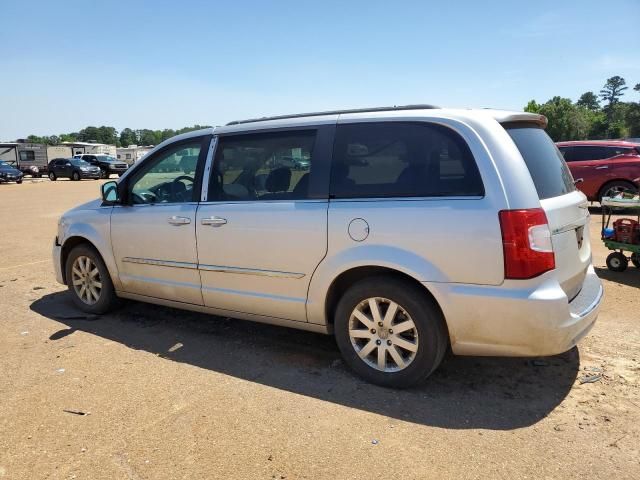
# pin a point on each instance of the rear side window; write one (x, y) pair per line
(396, 159)
(546, 165)
(615, 151)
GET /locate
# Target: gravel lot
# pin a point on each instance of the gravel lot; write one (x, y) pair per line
(155, 393)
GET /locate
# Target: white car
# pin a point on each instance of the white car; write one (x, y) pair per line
(409, 230)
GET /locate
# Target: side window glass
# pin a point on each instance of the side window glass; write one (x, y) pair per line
(169, 177)
(266, 166)
(395, 159)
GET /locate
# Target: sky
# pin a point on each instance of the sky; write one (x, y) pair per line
(158, 64)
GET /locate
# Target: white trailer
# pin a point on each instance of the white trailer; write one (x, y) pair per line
(78, 148)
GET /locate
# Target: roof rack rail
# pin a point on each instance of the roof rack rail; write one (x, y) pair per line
(336, 112)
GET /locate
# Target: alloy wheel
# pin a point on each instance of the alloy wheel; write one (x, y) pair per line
(86, 280)
(383, 334)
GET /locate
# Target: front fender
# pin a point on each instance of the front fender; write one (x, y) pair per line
(333, 266)
(95, 227)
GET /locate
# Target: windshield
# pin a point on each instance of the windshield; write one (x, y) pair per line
(106, 158)
(80, 163)
(546, 164)
(4, 164)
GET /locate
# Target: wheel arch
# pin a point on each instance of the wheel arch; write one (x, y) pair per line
(614, 180)
(351, 276)
(68, 245)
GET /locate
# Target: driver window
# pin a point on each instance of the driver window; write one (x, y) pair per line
(169, 177)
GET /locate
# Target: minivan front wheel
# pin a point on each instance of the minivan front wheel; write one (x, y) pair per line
(88, 280)
(390, 332)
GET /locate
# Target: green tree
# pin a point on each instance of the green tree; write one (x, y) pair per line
(588, 100)
(532, 107)
(613, 90)
(128, 137)
(566, 120)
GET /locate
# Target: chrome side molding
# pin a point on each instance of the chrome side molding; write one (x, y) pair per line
(213, 268)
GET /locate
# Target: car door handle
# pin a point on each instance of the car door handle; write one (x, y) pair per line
(214, 221)
(177, 221)
(604, 167)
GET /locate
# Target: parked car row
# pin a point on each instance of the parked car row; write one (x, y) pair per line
(602, 168)
(86, 166)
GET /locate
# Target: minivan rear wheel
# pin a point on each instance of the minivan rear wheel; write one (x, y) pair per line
(390, 332)
(89, 281)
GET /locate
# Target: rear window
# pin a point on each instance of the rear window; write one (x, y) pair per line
(397, 159)
(547, 167)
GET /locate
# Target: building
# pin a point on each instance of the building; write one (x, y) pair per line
(132, 153)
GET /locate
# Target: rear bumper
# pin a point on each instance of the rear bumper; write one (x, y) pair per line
(518, 318)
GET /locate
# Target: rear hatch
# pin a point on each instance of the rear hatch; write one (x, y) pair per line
(565, 207)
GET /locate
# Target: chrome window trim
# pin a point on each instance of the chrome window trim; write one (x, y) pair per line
(253, 202)
(207, 168)
(147, 205)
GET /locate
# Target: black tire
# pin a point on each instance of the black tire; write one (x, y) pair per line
(426, 315)
(617, 262)
(52, 176)
(617, 185)
(107, 297)
(104, 174)
(19, 181)
(635, 259)
(75, 176)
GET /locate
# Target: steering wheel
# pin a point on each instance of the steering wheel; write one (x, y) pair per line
(176, 191)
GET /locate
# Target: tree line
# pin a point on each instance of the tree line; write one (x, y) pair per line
(593, 116)
(111, 136)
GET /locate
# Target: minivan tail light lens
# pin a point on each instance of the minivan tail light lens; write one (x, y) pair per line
(526, 242)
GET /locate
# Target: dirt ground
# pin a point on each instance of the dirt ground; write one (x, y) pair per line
(155, 393)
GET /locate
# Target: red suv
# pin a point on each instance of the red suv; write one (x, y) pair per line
(604, 166)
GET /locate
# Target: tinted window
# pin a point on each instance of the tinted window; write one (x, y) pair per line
(581, 153)
(162, 180)
(268, 166)
(396, 159)
(546, 165)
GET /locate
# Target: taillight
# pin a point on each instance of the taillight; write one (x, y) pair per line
(526, 241)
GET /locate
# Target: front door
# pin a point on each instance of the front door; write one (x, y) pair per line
(263, 230)
(153, 235)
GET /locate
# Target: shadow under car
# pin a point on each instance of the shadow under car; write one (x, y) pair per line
(464, 393)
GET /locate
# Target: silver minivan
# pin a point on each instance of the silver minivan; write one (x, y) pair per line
(402, 231)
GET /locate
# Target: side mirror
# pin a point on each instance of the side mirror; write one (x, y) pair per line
(110, 192)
